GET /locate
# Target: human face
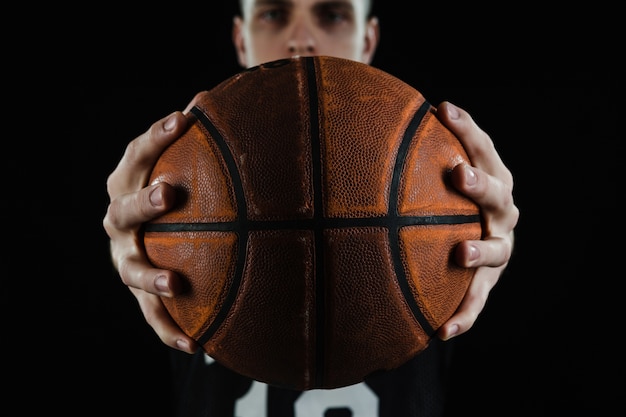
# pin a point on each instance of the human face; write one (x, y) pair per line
(275, 29)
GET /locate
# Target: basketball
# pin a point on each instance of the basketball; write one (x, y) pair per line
(315, 223)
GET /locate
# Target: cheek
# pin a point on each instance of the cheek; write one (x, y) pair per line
(346, 48)
(264, 50)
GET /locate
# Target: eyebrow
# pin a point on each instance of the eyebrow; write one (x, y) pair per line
(331, 3)
(270, 2)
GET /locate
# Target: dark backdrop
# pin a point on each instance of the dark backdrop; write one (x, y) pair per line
(548, 340)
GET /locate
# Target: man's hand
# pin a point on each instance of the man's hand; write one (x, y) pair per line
(490, 184)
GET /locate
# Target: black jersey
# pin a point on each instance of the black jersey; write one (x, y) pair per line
(205, 388)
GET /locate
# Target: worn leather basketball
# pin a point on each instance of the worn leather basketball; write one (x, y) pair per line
(315, 224)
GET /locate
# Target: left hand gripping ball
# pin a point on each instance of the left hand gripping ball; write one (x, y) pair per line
(315, 225)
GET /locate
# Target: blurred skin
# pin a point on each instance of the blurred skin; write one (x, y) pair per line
(275, 29)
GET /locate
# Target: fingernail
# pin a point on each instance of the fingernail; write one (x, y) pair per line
(169, 123)
(454, 329)
(161, 284)
(470, 175)
(156, 198)
(182, 344)
(474, 253)
(453, 111)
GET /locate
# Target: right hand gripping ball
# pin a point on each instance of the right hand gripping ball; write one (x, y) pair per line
(315, 224)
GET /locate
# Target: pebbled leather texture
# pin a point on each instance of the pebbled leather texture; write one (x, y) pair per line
(315, 226)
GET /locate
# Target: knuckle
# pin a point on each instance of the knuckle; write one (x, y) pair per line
(110, 220)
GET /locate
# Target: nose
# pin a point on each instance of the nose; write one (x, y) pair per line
(301, 41)
(301, 49)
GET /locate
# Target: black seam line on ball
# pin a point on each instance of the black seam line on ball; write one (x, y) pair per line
(318, 214)
(314, 224)
(394, 239)
(242, 213)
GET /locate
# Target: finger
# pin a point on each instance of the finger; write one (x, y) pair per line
(141, 154)
(491, 252)
(478, 145)
(128, 211)
(137, 273)
(163, 324)
(487, 191)
(472, 305)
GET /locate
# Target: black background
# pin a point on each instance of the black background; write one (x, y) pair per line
(545, 87)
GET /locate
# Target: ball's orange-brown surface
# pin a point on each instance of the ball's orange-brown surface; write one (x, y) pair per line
(315, 224)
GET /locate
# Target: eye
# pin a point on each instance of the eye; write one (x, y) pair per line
(274, 15)
(334, 14)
